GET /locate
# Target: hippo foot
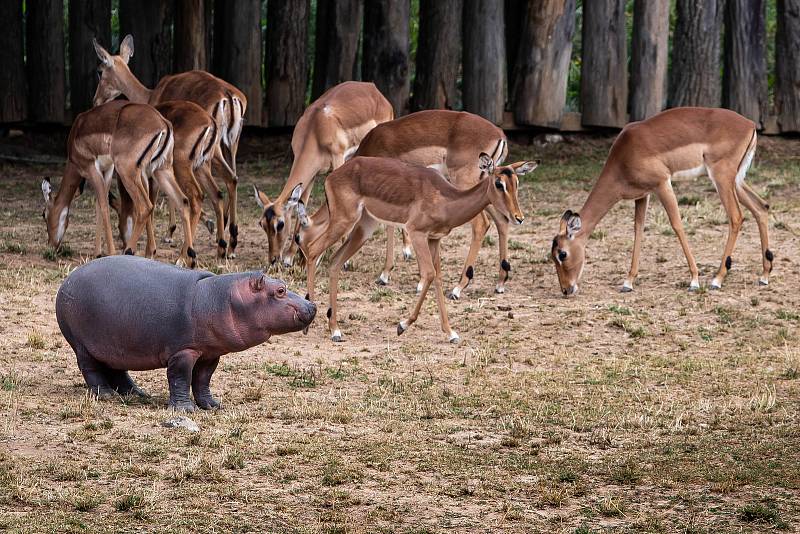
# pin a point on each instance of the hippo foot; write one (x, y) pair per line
(103, 392)
(184, 406)
(208, 403)
(135, 392)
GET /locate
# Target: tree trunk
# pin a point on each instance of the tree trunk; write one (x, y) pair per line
(386, 40)
(438, 55)
(150, 24)
(87, 19)
(287, 60)
(604, 67)
(12, 57)
(542, 68)
(45, 52)
(694, 78)
(787, 66)
(514, 14)
(240, 51)
(484, 59)
(336, 46)
(191, 35)
(744, 82)
(649, 49)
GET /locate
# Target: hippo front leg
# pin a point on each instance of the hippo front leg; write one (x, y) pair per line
(179, 376)
(201, 383)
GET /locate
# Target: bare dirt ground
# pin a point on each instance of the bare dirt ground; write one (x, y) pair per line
(658, 410)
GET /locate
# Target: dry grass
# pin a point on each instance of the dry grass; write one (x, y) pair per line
(658, 410)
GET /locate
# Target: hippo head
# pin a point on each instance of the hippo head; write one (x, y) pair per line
(263, 307)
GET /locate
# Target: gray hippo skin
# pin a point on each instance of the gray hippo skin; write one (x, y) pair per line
(127, 313)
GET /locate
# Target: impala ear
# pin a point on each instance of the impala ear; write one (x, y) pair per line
(524, 167)
(257, 282)
(261, 198)
(486, 163)
(570, 224)
(46, 190)
(302, 215)
(102, 53)
(126, 48)
(297, 192)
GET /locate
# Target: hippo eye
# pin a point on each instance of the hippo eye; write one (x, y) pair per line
(280, 225)
(281, 292)
(562, 255)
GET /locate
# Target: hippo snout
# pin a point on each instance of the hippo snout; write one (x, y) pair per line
(306, 311)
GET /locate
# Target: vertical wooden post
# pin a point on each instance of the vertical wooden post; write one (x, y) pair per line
(88, 19)
(694, 73)
(438, 55)
(191, 35)
(514, 13)
(787, 66)
(286, 58)
(649, 49)
(604, 69)
(336, 43)
(542, 67)
(150, 24)
(13, 92)
(240, 51)
(45, 53)
(386, 42)
(744, 81)
(484, 59)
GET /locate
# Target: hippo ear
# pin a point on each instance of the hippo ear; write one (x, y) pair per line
(257, 282)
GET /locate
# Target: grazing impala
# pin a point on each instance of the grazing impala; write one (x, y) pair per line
(134, 141)
(224, 102)
(366, 191)
(449, 142)
(647, 155)
(327, 134)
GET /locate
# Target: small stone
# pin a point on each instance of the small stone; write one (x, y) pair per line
(181, 421)
(503, 307)
(510, 315)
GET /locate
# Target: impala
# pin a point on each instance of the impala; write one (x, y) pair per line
(647, 155)
(327, 134)
(366, 191)
(224, 102)
(449, 142)
(134, 141)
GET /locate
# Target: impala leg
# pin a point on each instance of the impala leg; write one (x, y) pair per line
(231, 184)
(362, 231)
(760, 211)
(150, 248)
(480, 225)
(208, 184)
(427, 273)
(131, 177)
(434, 247)
(102, 211)
(727, 194)
(502, 244)
(408, 250)
(638, 232)
(388, 265)
(667, 197)
(166, 181)
(172, 226)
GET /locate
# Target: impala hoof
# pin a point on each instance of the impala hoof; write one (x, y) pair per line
(401, 327)
(455, 294)
(407, 254)
(382, 280)
(763, 282)
(167, 240)
(336, 337)
(694, 286)
(626, 287)
(715, 284)
(232, 256)
(499, 290)
(454, 339)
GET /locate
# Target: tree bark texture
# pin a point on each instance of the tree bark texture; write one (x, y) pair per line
(543, 60)
(438, 55)
(744, 81)
(694, 73)
(45, 60)
(787, 66)
(192, 24)
(286, 60)
(484, 58)
(604, 66)
(13, 91)
(150, 24)
(649, 52)
(336, 43)
(386, 43)
(88, 19)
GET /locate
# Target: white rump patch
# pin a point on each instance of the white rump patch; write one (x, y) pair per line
(745, 166)
(167, 151)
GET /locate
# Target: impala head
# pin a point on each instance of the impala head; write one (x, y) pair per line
(113, 71)
(568, 253)
(278, 222)
(56, 219)
(506, 185)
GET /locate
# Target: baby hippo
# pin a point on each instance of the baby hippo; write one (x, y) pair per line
(127, 313)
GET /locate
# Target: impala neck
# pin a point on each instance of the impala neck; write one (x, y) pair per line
(133, 88)
(602, 198)
(464, 205)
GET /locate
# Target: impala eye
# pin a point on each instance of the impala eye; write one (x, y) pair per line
(500, 185)
(280, 225)
(562, 255)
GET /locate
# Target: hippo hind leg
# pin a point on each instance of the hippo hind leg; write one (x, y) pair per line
(122, 382)
(201, 383)
(179, 376)
(95, 373)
